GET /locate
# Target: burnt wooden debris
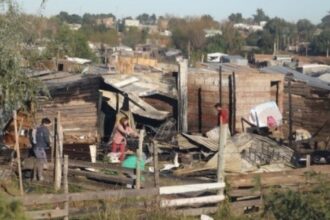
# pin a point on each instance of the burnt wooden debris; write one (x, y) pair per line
(177, 112)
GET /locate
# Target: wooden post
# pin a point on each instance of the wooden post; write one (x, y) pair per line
(200, 111)
(18, 154)
(230, 106)
(100, 118)
(117, 102)
(290, 112)
(220, 85)
(58, 166)
(66, 185)
(308, 160)
(234, 105)
(278, 93)
(55, 142)
(60, 134)
(222, 143)
(156, 169)
(183, 95)
(139, 159)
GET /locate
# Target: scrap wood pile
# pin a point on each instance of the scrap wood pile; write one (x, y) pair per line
(243, 153)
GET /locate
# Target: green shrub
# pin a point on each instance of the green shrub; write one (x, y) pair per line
(11, 209)
(292, 205)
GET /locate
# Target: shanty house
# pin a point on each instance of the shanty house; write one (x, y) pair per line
(310, 103)
(243, 88)
(88, 103)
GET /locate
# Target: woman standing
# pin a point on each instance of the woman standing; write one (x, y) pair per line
(122, 130)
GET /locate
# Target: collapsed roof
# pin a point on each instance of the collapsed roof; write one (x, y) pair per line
(135, 86)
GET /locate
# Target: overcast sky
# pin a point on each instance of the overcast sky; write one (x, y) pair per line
(291, 10)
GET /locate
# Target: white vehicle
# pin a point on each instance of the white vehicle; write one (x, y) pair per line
(215, 57)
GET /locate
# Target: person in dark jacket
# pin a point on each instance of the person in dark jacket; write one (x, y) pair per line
(42, 143)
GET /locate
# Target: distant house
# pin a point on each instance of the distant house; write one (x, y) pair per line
(163, 24)
(122, 48)
(132, 23)
(69, 64)
(148, 50)
(212, 32)
(107, 22)
(74, 27)
(166, 33)
(248, 27)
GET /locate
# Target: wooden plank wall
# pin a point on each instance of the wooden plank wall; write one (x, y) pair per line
(311, 109)
(78, 104)
(251, 89)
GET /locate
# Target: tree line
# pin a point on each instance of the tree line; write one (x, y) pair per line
(188, 34)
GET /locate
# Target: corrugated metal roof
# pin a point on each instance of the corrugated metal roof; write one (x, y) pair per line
(226, 68)
(142, 84)
(311, 81)
(148, 111)
(204, 141)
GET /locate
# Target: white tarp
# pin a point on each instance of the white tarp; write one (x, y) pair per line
(260, 113)
(78, 60)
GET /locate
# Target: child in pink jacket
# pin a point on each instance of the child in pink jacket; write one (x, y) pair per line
(122, 130)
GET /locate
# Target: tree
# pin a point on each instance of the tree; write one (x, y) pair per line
(305, 30)
(326, 21)
(134, 36)
(109, 37)
(188, 34)
(71, 19)
(209, 22)
(215, 44)
(265, 42)
(283, 32)
(70, 43)
(236, 18)
(260, 16)
(232, 38)
(230, 41)
(180, 39)
(16, 89)
(321, 44)
(147, 19)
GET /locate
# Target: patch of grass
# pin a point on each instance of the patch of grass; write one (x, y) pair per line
(73, 188)
(11, 209)
(310, 204)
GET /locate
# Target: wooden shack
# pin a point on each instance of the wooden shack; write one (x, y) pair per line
(310, 104)
(310, 111)
(78, 101)
(242, 89)
(88, 103)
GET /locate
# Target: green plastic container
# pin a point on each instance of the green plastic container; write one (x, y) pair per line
(130, 162)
